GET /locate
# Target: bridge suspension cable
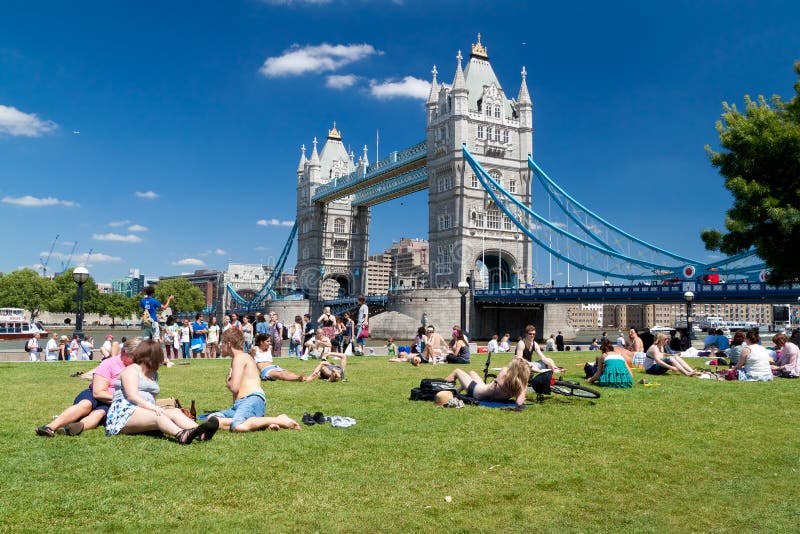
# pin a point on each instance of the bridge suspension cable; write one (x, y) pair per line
(268, 289)
(596, 241)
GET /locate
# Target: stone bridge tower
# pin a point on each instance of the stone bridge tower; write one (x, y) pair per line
(332, 238)
(468, 233)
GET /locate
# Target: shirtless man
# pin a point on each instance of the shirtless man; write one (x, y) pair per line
(435, 346)
(244, 382)
(635, 343)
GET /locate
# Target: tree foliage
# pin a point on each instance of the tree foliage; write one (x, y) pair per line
(26, 289)
(760, 162)
(187, 297)
(118, 305)
(65, 298)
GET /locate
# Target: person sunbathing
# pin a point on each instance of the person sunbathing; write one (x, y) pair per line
(318, 346)
(262, 355)
(248, 412)
(655, 363)
(511, 383)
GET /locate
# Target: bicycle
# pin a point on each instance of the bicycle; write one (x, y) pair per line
(545, 383)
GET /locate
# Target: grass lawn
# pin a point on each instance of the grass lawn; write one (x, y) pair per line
(686, 455)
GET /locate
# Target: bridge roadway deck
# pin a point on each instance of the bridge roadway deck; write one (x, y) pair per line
(738, 293)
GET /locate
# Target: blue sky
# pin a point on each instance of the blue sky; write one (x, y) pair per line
(158, 135)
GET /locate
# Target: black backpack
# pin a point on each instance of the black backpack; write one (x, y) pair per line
(429, 387)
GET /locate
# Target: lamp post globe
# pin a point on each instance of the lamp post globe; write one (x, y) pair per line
(463, 287)
(689, 297)
(80, 275)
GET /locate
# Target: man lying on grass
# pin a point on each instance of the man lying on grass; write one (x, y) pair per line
(244, 381)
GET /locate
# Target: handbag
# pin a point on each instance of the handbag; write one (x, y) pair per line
(363, 333)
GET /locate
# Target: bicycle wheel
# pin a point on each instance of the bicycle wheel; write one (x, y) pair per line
(571, 389)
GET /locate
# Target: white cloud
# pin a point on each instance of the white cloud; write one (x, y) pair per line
(189, 261)
(408, 87)
(15, 122)
(274, 222)
(28, 201)
(137, 228)
(325, 57)
(118, 223)
(129, 238)
(261, 248)
(150, 195)
(219, 252)
(95, 257)
(341, 81)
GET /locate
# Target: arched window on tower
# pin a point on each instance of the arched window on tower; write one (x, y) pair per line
(497, 134)
(512, 186)
(498, 177)
(340, 250)
(493, 218)
(488, 110)
(474, 181)
(338, 225)
(480, 132)
(497, 111)
(505, 136)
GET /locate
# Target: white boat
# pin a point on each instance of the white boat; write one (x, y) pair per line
(15, 325)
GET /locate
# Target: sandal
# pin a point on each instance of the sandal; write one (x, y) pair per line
(72, 429)
(185, 437)
(45, 431)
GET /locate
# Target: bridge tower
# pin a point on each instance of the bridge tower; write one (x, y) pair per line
(332, 238)
(467, 232)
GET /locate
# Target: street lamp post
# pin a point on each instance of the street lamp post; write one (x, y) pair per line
(80, 275)
(689, 297)
(463, 288)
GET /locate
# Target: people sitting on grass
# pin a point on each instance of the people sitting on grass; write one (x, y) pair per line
(505, 345)
(459, 352)
(788, 365)
(550, 344)
(318, 346)
(611, 368)
(493, 345)
(635, 343)
(248, 412)
(722, 341)
(655, 363)
(134, 409)
(528, 346)
(391, 348)
(737, 346)
(435, 347)
(754, 362)
(90, 407)
(511, 383)
(262, 355)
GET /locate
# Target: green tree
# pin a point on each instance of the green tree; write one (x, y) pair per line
(118, 305)
(187, 297)
(65, 298)
(26, 289)
(760, 162)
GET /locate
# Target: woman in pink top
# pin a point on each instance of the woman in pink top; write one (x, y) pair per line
(788, 365)
(91, 405)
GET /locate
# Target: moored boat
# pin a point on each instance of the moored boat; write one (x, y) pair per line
(15, 325)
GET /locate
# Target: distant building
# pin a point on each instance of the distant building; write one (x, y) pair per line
(131, 285)
(585, 316)
(378, 277)
(647, 315)
(105, 289)
(209, 282)
(409, 263)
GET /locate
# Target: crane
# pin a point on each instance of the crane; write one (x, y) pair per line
(65, 265)
(88, 255)
(45, 261)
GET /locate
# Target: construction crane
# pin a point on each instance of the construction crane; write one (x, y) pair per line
(45, 261)
(88, 255)
(65, 265)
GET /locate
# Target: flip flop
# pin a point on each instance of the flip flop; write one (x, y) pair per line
(45, 431)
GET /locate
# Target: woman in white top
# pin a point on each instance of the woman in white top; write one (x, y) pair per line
(262, 354)
(754, 361)
(655, 363)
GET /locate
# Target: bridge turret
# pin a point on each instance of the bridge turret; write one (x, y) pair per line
(302, 166)
(433, 97)
(525, 111)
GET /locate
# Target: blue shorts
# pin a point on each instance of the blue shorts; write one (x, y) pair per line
(266, 370)
(253, 405)
(87, 395)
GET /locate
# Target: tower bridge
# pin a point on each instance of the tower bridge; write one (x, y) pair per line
(476, 162)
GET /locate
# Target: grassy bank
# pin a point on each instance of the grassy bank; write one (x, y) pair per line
(686, 455)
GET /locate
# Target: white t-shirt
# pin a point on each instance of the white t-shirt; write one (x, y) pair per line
(185, 334)
(493, 346)
(363, 314)
(107, 347)
(52, 350)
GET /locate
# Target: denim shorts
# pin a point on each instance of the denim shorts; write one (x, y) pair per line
(253, 405)
(266, 370)
(87, 395)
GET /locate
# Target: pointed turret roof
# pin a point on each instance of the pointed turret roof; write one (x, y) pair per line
(314, 155)
(433, 97)
(302, 164)
(524, 97)
(478, 74)
(334, 153)
(459, 83)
